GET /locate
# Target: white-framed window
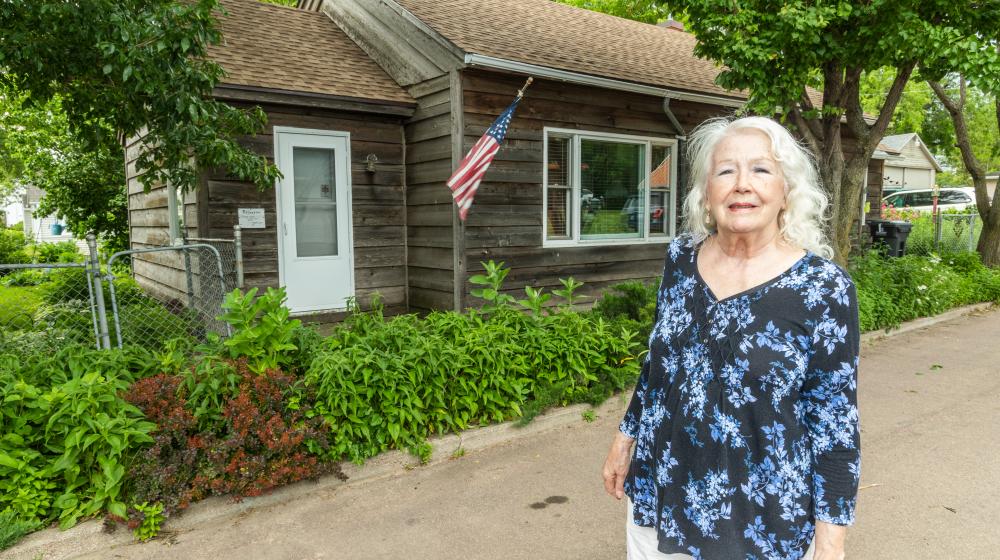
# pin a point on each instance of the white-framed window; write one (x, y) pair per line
(607, 189)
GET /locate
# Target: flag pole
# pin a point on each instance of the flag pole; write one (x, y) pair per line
(520, 92)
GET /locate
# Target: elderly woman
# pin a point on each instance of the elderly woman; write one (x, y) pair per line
(741, 441)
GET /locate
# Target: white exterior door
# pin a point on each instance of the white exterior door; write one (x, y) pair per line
(316, 263)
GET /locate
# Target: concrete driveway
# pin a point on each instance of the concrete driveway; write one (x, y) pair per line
(930, 404)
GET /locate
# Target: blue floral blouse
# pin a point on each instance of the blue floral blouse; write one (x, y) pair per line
(745, 414)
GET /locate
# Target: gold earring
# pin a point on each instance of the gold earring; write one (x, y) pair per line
(708, 217)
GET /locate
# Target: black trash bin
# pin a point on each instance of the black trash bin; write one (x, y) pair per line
(891, 233)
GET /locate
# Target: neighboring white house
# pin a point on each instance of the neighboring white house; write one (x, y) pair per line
(908, 163)
(38, 229)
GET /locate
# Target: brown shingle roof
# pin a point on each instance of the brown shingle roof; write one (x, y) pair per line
(555, 35)
(281, 48)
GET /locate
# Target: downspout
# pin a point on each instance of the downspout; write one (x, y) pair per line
(681, 137)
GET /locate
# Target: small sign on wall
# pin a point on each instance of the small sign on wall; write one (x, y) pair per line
(251, 218)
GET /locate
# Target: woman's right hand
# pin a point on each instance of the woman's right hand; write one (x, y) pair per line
(616, 465)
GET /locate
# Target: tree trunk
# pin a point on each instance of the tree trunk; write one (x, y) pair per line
(989, 238)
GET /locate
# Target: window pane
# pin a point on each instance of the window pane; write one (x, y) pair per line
(558, 213)
(611, 172)
(315, 202)
(659, 212)
(660, 183)
(558, 161)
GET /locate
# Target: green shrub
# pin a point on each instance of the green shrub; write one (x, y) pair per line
(68, 434)
(383, 384)
(27, 277)
(632, 303)
(61, 252)
(13, 247)
(893, 290)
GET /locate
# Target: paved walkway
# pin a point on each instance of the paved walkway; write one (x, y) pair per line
(930, 404)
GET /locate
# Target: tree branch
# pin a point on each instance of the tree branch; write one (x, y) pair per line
(892, 98)
(810, 130)
(972, 165)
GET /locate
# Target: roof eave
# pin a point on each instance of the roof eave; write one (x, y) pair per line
(257, 94)
(493, 63)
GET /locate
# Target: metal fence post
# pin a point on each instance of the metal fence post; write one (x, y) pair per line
(238, 249)
(972, 232)
(937, 230)
(188, 272)
(102, 316)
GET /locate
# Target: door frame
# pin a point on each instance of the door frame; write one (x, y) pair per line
(278, 131)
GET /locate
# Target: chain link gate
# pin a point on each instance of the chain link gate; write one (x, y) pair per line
(188, 287)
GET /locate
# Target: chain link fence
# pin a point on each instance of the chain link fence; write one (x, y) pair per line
(149, 297)
(45, 306)
(172, 293)
(230, 255)
(954, 233)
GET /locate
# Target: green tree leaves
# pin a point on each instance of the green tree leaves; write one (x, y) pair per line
(138, 68)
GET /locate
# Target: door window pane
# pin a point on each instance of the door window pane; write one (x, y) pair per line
(611, 172)
(315, 189)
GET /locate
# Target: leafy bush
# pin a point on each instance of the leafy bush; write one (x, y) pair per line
(27, 277)
(262, 331)
(67, 434)
(632, 302)
(383, 384)
(262, 441)
(893, 290)
(12, 247)
(61, 252)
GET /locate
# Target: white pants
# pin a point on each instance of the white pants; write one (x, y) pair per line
(641, 543)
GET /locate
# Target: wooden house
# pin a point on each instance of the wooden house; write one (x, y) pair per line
(371, 105)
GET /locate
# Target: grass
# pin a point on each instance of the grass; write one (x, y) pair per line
(12, 528)
(18, 306)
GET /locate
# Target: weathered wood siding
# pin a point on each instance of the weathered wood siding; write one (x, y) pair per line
(874, 191)
(378, 203)
(505, 223)
(430, 233)
(160, 274)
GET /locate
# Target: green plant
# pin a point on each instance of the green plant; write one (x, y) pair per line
(588, 416)
(422, 451)
(568, 291)
(12, 247)
(60, 252)
(535, 301)
(149, 520)
(262, 330)
(13, 528)
(27, 277)
(493, 281)
(68, 434)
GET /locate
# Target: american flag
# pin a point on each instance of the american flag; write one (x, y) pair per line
(465, 180)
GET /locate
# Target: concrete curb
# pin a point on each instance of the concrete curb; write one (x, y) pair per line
(89, 538)
(924, 322)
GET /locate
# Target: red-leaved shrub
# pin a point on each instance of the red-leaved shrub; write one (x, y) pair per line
(260, 443)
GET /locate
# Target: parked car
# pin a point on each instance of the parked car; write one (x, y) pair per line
(589, 201)
(631, 211)
(921, 200)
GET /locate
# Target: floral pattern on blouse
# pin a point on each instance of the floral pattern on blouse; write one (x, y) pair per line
(745, 415)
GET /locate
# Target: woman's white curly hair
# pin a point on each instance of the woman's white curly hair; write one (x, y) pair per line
(802, 221)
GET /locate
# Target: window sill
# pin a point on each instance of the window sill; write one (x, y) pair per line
(563, 243)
